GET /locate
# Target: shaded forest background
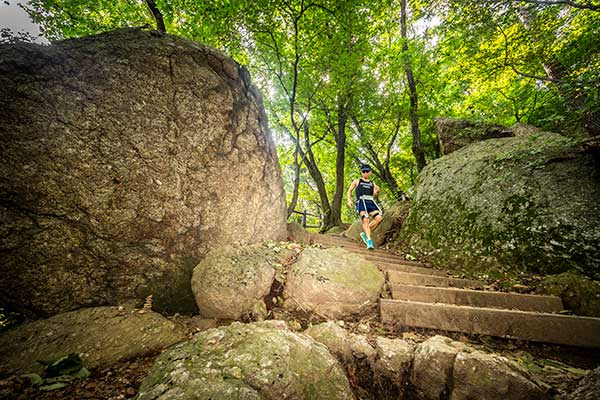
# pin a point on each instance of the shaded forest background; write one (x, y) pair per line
(361, 81)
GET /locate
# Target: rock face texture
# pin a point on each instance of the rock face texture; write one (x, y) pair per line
(124, 157)
(432, 367)
(229, 282)
(260, 361)
(332, 283)
(454, 134)
(529, 202)
(578, 293)
(101, 335)
(479, 375)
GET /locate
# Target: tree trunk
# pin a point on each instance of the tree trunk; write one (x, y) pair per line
(381, 169)
(294, 198)
(315, 174)
(158, 17)
(414, 99)
(340, 144)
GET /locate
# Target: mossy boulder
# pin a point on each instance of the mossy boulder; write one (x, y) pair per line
(100, 335)
(332, 283)
(454, 134)
(529, 203)
(336, 230)
(392, 222)
(262, 361)
(578, 293)
(230, 281)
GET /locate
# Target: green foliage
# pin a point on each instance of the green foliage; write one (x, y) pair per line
(499, 61)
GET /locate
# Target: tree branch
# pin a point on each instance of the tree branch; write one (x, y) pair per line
(586, 6)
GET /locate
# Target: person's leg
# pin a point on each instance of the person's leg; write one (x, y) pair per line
(375, 220)
(365, 224)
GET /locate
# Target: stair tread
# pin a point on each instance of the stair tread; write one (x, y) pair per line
(516, 324)
(431, 280)
(477, 298)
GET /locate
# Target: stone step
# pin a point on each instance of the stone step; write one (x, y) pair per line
(375, 255)
(392, 259)
(477, 298)
(384, 266)
(526, 325)
(405, 278)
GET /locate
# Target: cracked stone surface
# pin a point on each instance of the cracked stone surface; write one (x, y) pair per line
(125, 156)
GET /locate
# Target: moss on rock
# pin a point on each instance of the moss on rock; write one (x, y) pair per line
(247, 361)
(578, 293)
(333, 283)
(230, 281)
(525, 202)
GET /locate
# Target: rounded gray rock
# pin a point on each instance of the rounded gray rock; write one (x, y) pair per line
(101, 335)
(230, 281)
(262, 360)
(332, 283)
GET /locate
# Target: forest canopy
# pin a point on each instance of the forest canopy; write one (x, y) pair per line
(360, 81)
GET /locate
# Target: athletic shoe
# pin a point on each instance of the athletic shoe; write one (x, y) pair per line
(370, 244)
(363, 236)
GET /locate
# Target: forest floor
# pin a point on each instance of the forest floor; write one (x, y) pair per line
(556, 368)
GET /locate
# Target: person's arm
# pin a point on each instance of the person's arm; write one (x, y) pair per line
(352, 187)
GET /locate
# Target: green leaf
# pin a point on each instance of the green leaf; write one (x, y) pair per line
(54, 386)
(34, 379)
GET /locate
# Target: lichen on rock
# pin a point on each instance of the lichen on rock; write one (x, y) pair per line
(529, 203)
(332, 283)
(101, 335)
(262, 360)
(230, 281)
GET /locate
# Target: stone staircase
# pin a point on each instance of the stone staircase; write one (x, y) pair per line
(430, 298)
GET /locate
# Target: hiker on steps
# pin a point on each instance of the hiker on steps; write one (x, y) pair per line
(367, 208)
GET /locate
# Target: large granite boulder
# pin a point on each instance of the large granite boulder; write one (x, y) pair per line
(347, 347)
(528, 202)
(101, 336)
(260, 361)
(393, 218)
(332, 283)
(125, 156)
(230, 281)
(454, 134)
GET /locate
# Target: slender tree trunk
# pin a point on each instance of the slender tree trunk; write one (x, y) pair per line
(340, 144)
(414, 99)
(158, 17)
(294, 198)
(315, 174)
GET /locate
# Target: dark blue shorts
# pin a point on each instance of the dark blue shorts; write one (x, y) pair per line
(360, 206)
